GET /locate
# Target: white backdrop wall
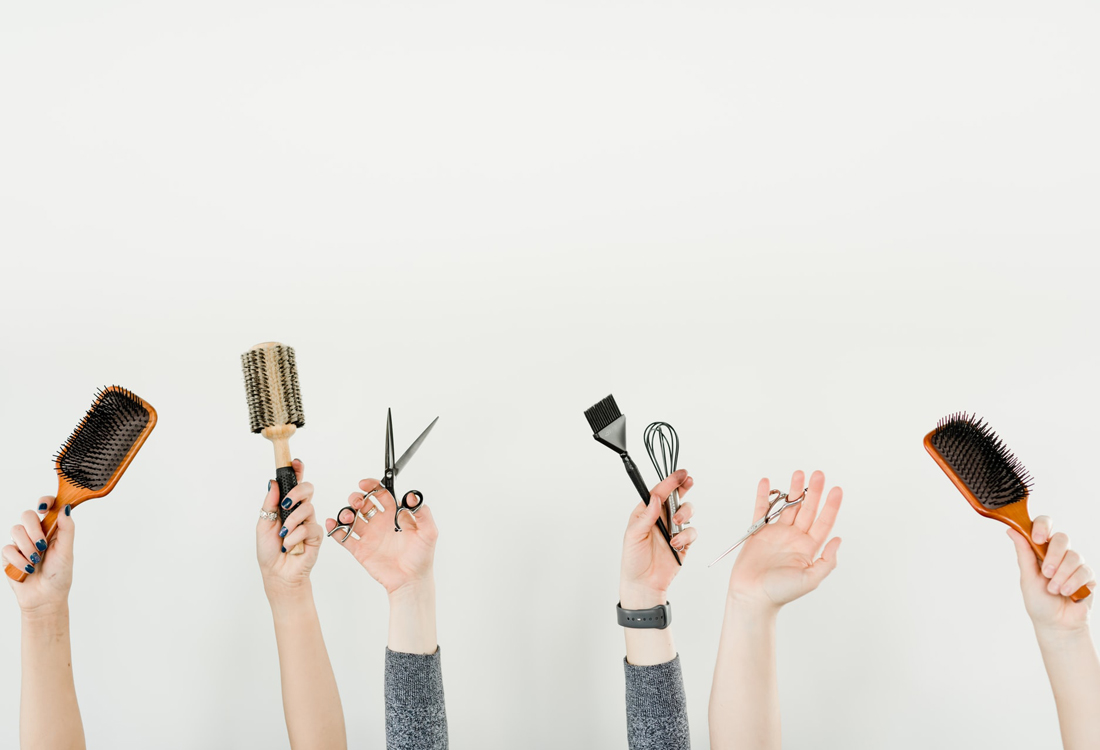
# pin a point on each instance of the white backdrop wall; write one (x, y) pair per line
(801, 233)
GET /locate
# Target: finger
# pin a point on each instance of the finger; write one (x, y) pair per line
(684, 514)
(298, 494)
(270, 505)
(665, 487)
(1059, 545)
(62, 544)
(1081, 577)
(1042, 528)
(762, 489)
(362, 503)
(300, 534)
(798, 483)
(686, 485)
(314, 535)
(45, 503)
(1071, 561)
(23, 543)
(1025, 556)
(349, 541)
(13, 557)
(823, 524)
(302, 514)
(807, 512)
(684, 539)
(299, 470)
(825, 564)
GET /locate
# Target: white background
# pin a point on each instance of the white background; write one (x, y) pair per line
(800, 232)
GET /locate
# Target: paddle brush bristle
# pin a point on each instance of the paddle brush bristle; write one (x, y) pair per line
(102, 440)
(981, 460)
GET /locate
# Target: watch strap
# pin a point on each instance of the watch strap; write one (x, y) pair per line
(658, 618)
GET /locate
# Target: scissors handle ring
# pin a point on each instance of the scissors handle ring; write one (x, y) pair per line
(404, 506)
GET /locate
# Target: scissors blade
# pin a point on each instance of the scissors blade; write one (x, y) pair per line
(752, 530)
(389, 441)
(413, 448)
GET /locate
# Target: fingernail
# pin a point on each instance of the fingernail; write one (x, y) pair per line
(35, 558)
(41, 544)
(28, 568)
(1052, 588)
(282, 533)
(269, 485)
(1048, 571)
(284, 550)
(1066, 591)
(68, 509)
(286, 502)
(41, 507)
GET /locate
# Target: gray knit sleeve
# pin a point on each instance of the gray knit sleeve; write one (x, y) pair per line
(656, 707)
(416, 718)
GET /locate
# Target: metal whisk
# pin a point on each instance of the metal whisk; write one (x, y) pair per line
(663, 445)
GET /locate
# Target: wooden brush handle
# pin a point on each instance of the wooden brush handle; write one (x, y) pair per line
(1022, 524)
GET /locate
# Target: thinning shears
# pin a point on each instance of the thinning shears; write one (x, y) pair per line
(776, 506)
(393, 468)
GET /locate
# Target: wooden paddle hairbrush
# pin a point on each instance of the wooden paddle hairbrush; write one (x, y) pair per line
(275, 409)
(96, 455)
(987, 474)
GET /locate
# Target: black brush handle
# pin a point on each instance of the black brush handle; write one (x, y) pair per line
(287, 480)
(643, 491)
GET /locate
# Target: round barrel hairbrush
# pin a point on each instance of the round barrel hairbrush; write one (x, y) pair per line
(992, 480)
(96, 455)
(275, 410)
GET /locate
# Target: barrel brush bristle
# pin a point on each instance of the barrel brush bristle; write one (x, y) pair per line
(271, 385)
(981, 460)
(102, 440)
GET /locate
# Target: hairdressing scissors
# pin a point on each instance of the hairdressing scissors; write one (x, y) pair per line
(776, 506)
(393, 468)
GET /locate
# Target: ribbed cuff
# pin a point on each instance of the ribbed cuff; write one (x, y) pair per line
(656, 707)
(416, 715)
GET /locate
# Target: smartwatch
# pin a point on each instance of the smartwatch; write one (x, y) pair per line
(659, 617)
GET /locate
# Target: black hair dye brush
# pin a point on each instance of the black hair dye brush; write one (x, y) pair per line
(609, 428)
(984, 470)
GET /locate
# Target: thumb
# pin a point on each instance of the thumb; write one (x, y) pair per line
(66, 531)
(1025, 556)
(825, 564)
(645, 517)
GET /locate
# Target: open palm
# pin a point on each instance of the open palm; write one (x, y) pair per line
(392, 558)
(779, 563)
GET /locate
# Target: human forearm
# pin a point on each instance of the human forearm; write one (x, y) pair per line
(1074, 670)
(311, 701)
(412, 618)
(49, 718)
(744, 698)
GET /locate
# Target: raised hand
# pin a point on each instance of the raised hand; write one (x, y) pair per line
(648, 567)
(779, 563)
(284, 572)
(394, 559)
(1046, 590)
(49, 578)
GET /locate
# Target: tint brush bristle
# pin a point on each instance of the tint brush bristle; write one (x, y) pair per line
(602, 414)
(101, 441)
(981, 460)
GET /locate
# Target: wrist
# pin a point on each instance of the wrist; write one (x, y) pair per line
(46, 614)
(751, 608)
(637, 596)
(1053, 636)
(415, 591)
(283, 597)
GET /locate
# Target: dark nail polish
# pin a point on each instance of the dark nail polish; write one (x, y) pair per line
(68, 509)
(286, 502)
(269, 485)
(35, 559)
(284, 549)
(41, 507)
(41, 544)
(282, 533)
(29, 568)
